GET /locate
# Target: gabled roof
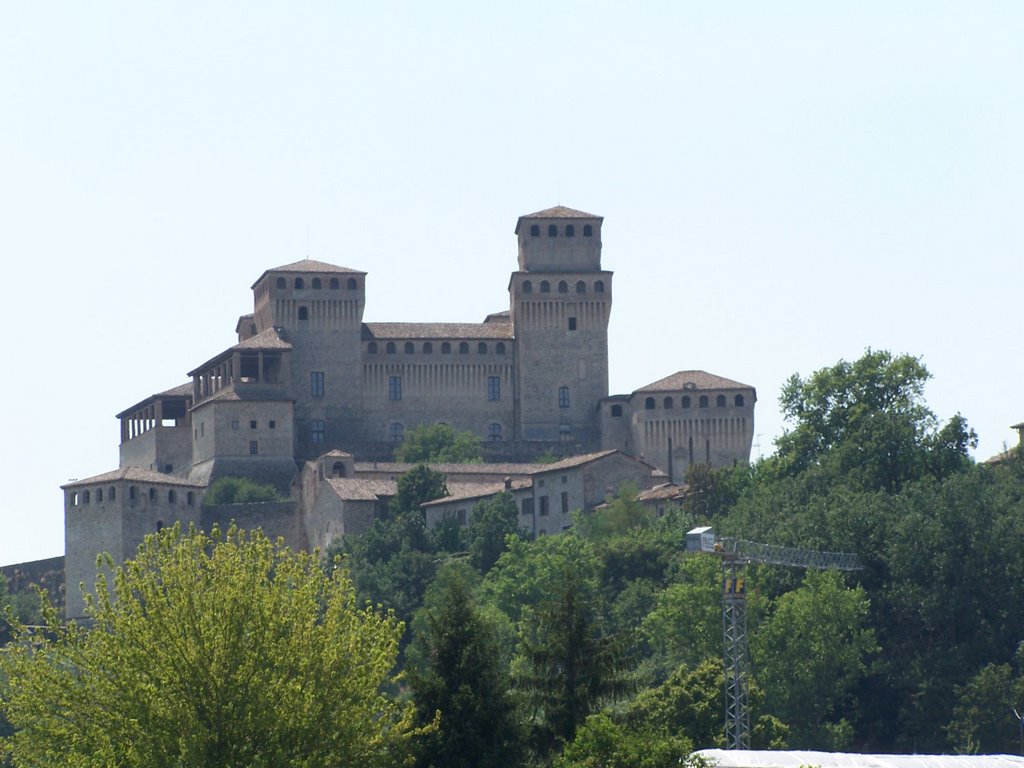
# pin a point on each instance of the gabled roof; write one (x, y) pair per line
(698, 380)
(133, 474)
(491, 330)
(310, 265)
(470, 491)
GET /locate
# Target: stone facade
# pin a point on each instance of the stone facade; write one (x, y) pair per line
(308, 378)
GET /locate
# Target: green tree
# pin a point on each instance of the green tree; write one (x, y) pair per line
(438, 443)
(984, 719)
(567, 667)
(462, 673)
(239, 490)
(620, 514)
(420, 484)
(810, 655)
(603, 742)
(208, 651)
(867, 423)
(493, 520)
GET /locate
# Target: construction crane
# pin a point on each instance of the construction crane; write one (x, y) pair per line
(735, 553)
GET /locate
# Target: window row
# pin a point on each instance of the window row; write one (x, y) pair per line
(427, 348)
(685, 402)
(570, 230)
(493, 389)
(396, 432)
(87, 496)
(316, 283)
(562, 286)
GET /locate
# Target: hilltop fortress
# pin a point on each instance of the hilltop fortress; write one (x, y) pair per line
(313, 399)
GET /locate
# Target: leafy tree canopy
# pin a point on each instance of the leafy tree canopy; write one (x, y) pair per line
(207, 651)
(493, 520)
(867, 421)
(438, 443)
(239, 490)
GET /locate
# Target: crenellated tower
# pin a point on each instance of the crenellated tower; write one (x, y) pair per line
(561, 301)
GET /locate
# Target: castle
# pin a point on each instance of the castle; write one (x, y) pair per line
(309, 387)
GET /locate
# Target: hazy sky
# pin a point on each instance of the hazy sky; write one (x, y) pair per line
(783, 184)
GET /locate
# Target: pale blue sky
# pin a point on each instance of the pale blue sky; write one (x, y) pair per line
(783, 185)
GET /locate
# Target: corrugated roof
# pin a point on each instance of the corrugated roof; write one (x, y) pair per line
(492, 330)
(699, 380)
(133, 474)
(749, 758)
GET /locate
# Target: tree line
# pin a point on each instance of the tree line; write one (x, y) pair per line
(474, 645)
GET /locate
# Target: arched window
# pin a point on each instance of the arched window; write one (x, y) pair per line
(428, 348)
(703, 401)
(649, 404)
(668, 402)
(395, 432)
(390, 348)
(494, 432)
(581, 287)
(316, 284)
(599, 286)
(282, 283)
(481, 348)
(303, 313)
(545, 286)
(463, 347)
(371, 348)
(686, 401)
(131, 492)
(152, 494)
(409, 348)
(85, 497)
(446, 348)
(159, 525)
(534, 230)
(527, 286)
(552, 230)
(299, 285)
(570, 230)
(588, 230)
(112, 492)
(499, 348)
(190, 498)
(563, 287)
(352, 284)
(617, 411)
(171, 497)
(738, 400)
(338, 470)
(720, 401)
(334, 284)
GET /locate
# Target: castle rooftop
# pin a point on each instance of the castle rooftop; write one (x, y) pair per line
(310, 265)
(692, 380)
(491, 330)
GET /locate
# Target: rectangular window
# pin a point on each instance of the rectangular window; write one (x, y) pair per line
(527, 508)
(234, 424)
(563, 397)
(319, 430)
(565, 503)
(252, 424)
(543, 506)
(272, 424)
(572, 323)
(394, 388)
(493, 388)
(316, 383)
(254, 447)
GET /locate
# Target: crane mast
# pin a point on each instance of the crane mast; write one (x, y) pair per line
(735, 553)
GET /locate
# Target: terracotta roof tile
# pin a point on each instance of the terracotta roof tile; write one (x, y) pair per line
(182, 390)
(310, 265)
(469, 491)
(699, 380)
(491, 330)
(133, 474)
(560, 212)
(268, 339)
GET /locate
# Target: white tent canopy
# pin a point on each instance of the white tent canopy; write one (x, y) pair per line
(749, 758)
